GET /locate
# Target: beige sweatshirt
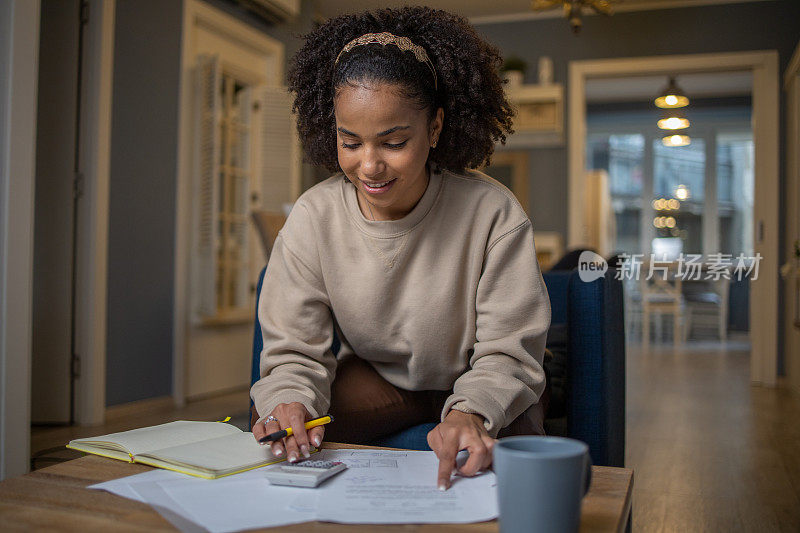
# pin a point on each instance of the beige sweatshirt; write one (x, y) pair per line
(450, 297)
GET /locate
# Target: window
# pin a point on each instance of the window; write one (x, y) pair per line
(246, 158)
(735, 188)
(679, 175)
(235, 175)
(622, 156)
(701, 193)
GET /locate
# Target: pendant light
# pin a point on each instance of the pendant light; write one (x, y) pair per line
(671, 96)
(676, 140)
(674, 120)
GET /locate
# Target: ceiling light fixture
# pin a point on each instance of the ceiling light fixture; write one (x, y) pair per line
(672, 96)
(674, 121)
(677, 140)
(573, 9)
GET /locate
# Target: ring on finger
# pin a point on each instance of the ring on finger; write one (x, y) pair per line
(269, 419)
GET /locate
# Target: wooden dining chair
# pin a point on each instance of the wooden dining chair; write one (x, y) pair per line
(661, 295)
(268, 224)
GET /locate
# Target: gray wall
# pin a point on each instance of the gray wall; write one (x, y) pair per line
(707, 29)
(144, 148)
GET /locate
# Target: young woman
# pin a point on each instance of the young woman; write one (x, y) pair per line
(425, 270)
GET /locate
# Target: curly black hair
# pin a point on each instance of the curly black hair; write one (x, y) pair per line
(476, 111)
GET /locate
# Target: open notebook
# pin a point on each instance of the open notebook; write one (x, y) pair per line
(203, 449)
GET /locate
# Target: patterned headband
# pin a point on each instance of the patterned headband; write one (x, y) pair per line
(384, 38)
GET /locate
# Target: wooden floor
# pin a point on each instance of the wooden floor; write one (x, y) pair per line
(710, 452)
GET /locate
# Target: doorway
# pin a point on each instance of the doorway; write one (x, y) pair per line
(53, 365)
(71, 215)
(697, 198)
(763, 67)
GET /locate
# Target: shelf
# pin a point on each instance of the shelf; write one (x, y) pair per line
(530, 92)
(539, 119)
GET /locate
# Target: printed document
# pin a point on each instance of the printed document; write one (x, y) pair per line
(378, 487)
(394, 487)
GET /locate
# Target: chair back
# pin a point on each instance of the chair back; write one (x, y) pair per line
(594, 317)
(268, 224)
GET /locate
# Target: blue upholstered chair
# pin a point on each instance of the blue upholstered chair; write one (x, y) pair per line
(591, 315)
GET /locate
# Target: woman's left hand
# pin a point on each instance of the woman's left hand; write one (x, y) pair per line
(460, 431)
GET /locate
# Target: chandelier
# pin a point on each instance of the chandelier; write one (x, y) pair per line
(573, 9)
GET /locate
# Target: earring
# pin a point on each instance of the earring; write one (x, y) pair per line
(434, 143)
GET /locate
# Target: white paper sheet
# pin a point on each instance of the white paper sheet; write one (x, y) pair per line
(153, 494)
(379, 487)
(123, 486)
(233, 503)
(391, 487)
(144, 488)
(236, 503)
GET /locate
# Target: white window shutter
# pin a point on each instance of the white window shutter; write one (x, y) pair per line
(279, 154)
(241, 228)
(208, 81)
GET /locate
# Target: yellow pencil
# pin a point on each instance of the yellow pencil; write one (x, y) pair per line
(272, 437)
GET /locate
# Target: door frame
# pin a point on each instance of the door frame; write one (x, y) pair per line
(765, 119)
(791, 84)
(94, 156)
(19, 60)
(93, 212)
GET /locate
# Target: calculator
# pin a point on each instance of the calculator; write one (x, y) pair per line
(309, 473)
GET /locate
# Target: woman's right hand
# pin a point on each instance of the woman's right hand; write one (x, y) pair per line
(291, 415)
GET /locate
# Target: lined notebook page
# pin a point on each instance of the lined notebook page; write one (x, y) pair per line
(145, 440)
(223, 453)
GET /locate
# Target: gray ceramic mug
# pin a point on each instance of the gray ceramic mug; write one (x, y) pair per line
(540, 483)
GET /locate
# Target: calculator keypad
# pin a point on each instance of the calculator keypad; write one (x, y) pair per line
(313, 464)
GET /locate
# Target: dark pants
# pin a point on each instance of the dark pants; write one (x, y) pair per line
(365, 407)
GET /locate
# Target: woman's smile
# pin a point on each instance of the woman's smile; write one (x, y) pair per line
(378, 187)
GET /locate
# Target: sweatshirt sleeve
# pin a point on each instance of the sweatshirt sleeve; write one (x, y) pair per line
(297, 364)
(505, 375)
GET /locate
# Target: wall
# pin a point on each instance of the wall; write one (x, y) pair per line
(144, 148)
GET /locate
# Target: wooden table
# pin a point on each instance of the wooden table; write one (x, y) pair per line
(56, 498)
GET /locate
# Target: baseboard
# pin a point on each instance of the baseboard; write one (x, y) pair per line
(217, 393)
(139, 407)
